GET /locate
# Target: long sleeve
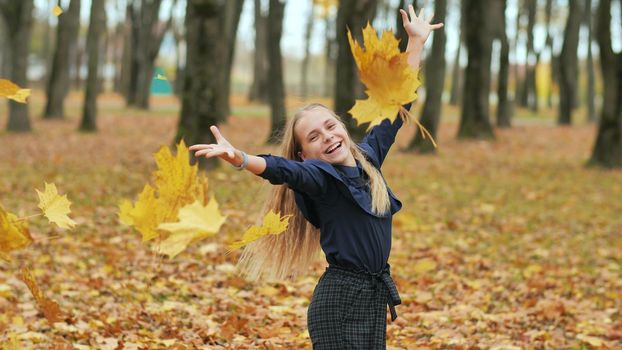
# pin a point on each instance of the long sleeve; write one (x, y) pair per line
(381, 137)
(300, 176)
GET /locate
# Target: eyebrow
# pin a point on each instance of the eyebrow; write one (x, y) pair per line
(328, 120)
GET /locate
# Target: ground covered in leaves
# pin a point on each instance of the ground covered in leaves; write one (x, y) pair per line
(506, 244)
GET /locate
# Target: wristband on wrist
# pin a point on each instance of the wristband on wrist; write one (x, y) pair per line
(244, 162)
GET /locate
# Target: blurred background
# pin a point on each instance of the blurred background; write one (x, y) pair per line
(494, 62)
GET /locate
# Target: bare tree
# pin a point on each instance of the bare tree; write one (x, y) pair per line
(475, 121)
(146, 38)
(456, 71)
(434, 82)
(205, 55)
(568, 64)
(58, 82)
(504, 106)
(304, 69)
(275, 70)
(93, 47)
(17, 17)
(590, 94)
(258, 90)
(229, 25)
(608, 147)
(352, 14)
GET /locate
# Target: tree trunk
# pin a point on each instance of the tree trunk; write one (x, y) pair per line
(353, 15)
(568, 64)
(504, 106)
(18, 19)
(58, 82)
(4, 54)
(548, 43)
(590, 94)
(434, 81)
(204, 56)
(304, 69)
(229, 25)
(275, 70)
(475, 121)
(608, 147)
(519, 77)
(330, 56)
(127, 61)
(93, 45)
(259, 87)
(530, 69)
(456, 71)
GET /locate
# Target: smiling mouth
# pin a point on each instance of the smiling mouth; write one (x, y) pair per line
(333, 148)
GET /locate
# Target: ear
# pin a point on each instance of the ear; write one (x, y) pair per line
(301, 155)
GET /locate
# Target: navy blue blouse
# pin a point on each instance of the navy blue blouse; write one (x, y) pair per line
(336, 199)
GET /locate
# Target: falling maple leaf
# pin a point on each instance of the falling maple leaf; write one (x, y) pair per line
(176, 185)
(50, 308)
(325, 6)
(390, 81)
(11, 91)
(196, 222)
(14, 233)
(57, 10)
(55, 207)
(160, 77)
(273, 224)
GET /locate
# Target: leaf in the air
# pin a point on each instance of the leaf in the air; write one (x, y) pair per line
(55, 207)
(196, 222)
(57, 10)
(50, 308)
(14, 233)
(176, 184)
(390, 81)
(325, 6)
(12, 91)
(273, 224)
(160, 77)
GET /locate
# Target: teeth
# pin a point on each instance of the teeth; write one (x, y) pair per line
(334, 147)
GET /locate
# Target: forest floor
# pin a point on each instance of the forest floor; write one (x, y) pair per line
(505, 244)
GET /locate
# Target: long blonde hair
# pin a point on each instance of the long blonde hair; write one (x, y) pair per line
(289, 254)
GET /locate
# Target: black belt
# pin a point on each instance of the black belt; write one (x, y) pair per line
(383, 276)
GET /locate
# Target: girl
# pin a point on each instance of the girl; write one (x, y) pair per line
(340, 202)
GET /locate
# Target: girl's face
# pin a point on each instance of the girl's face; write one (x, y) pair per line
(322, 136)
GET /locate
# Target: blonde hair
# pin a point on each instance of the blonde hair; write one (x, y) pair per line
(289, 254)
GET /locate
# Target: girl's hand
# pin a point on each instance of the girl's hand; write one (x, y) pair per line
(418, 28)
(222, 149)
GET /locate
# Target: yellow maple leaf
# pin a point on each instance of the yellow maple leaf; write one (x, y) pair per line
(57, 10)
(176, 184)
(325, 6)
(50, 308)
(389, 79)
(14, 233)
(196, 222)
(55, 207)
(12, 91)
(273, 224)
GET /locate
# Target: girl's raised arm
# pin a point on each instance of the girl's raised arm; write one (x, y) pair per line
(418, 30)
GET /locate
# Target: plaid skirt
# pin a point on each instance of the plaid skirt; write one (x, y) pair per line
(348, 309)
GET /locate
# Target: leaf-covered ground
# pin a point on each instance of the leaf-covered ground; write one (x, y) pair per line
(511, 244)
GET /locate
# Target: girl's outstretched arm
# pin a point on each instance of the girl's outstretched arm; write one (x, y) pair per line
(418, 30)
(225, 151)
(299, 176)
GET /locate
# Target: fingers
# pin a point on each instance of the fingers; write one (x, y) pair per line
(429, 19)
(216, 133)
(421, 13)
(411, 10)
(405, 20)
(436, 26)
